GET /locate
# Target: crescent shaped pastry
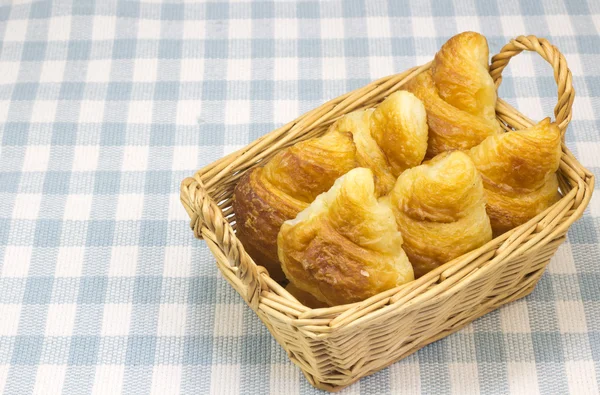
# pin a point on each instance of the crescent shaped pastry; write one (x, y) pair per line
(390, 138)
(459, 95)
(440, 210)
(345, 247)
(519, 173)
(267, 196)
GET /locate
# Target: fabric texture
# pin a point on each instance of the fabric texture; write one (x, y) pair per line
(105, 107)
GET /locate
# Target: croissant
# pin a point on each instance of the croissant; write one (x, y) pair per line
(519, 173)
(459, 95)
(267, 196)
(390, 138)
(440, 210)
(345, 247)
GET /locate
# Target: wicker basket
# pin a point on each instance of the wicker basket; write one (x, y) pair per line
(336, 346)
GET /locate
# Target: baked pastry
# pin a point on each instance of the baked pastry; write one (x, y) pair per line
(390, 138)
(459, 95)
(440, 210)
(267, 196)
(519, 173)
(345, 247)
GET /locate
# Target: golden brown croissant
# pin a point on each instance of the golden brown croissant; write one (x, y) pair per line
(390, 138)
(519, 173)
(459, 95)
(387, 139)
(267, 196)
(345, 247)
(440, 211)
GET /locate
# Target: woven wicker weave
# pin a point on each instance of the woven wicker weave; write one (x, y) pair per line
(336, 346)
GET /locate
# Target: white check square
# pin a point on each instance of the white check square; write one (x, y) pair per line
(135, 158)
(178, 261)
(16, 261)
(69, 262)
(86, 157)
(522, 378)
(192, 70)
(378, 27)
(10, 72)
(166, 379)
(334, 68)
(240, 28)
(560, 25)
(123, 261)
(172, 319)
(61, 319)
(3, 375)
(571, 316)
(4, 105)
(44, 111)
(286, 69)
(514, 318)
(239, 69)
(108, 379)
(228, 319)
(78, 207)
(286, 28)
(116, 319)
(467, 23)
(185, 157)
(9, 319)
(583, 109)
(15, 30)
(60, 28)
(463, 378)
(140, 112)
(562, 262)
(91, 111)
(130, 207)
(36, 158)
(285, 111)
(229, 386)
(104, 27)
(581, 376)
(98, 70)
(188, 112)
(513, 25)
(532, 106)
(381, 66)
(53, 71)
(193, 30)
(145, 70)
(50, 379)
(237, 112)
(27, 206)
(149, 29)
(332, 28)
(423, 27)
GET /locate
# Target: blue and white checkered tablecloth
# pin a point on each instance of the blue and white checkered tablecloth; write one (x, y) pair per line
(105, 107)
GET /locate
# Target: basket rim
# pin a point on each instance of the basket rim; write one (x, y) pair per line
(547, 227)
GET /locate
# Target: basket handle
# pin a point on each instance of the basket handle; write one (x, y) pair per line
(207, 222)
(562, 74)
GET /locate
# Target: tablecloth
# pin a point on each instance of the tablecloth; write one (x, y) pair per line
(106, 106)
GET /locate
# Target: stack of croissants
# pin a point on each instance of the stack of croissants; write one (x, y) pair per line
(390, 193)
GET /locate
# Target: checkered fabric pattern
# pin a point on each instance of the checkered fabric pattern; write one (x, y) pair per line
(105, 107)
